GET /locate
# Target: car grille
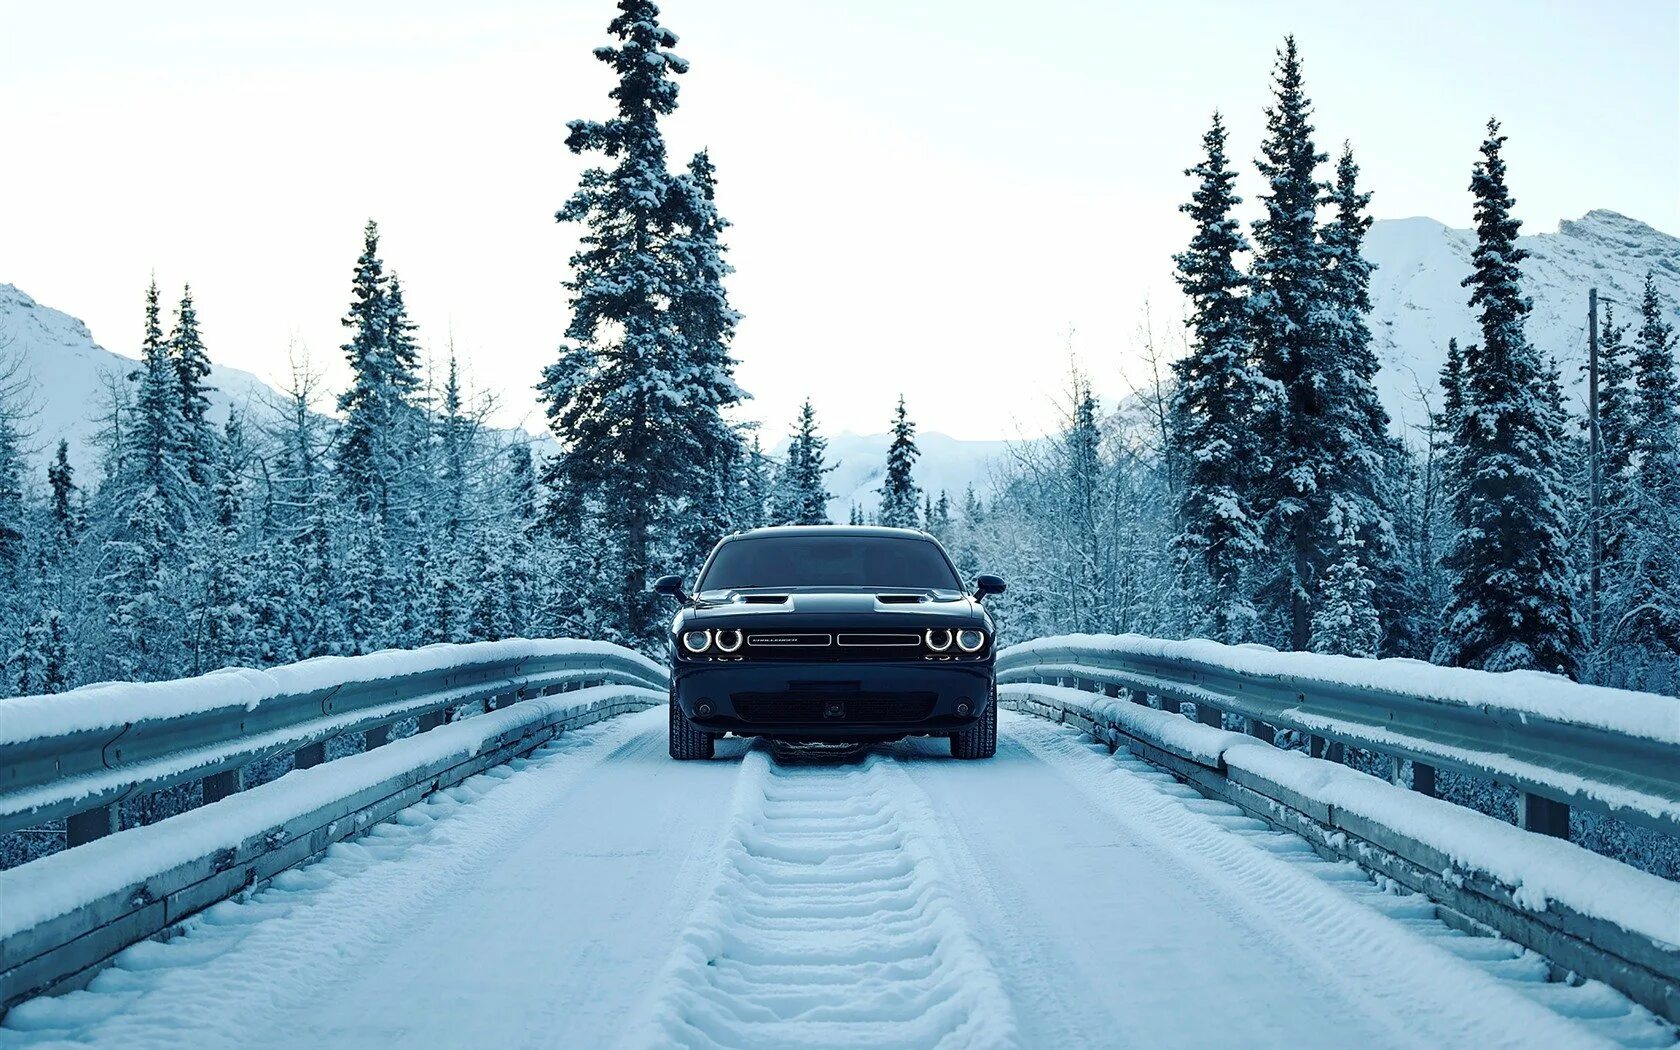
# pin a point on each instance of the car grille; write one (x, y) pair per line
(861, 708)
(832, 647)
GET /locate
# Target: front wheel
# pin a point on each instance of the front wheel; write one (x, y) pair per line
(980, 739)
(688, 741)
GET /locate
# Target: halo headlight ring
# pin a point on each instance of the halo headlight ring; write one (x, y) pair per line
(971, 640)
(728, 639)
(937, 638)
(697, 641)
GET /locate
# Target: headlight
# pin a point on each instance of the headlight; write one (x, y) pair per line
(728, 641)
(696, 641)
(938, 638)
(971, 641)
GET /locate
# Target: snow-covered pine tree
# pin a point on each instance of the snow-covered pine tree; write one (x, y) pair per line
(521, 519)
(192, 370)
(151, 510)
(1215, 404)
(803, 496)
(755, 488)
(366, 593)
(1345, 620)
(704, 320)
(491, 617)
(64, 510)
(14, 510)
(939, 524)
(900, 494)
(634, 395)
(1288, 321)
(43, 659)
(1649, 606)
(856, 516)
(374, 435)
(223, 631)
(1365, 461)
(1616, 429)
(1511, 604)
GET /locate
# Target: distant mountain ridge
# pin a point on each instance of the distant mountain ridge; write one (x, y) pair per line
(72, 373)
(1418, 303)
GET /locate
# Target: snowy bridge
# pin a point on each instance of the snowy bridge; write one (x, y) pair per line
(485, 845)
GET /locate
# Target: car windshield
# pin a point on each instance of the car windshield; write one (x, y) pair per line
(830, 561)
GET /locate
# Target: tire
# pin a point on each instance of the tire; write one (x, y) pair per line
(980, 739)
(688, 741)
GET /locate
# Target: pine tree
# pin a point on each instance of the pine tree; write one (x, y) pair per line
(66, 514)
(1345, 620)
(1215, 404)
(152, 510)
(224, 632)
(192, 370)
(14, 511)
(1649, 606)
(43, 660)
(1616, 439)
(1287, 315)
(1511, 604)
(375, 432)
(1364, 461)
(899, 492)
(635, 394)
(803, 499)
(938, 517)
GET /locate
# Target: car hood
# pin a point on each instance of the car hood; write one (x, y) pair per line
(766, 605)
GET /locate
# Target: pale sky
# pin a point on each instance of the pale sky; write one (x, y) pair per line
(927, 197)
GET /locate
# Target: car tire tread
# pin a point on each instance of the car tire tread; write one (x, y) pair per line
(688, 741)
(980, 739)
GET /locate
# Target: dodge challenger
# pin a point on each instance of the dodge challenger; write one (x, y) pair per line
(821, 633)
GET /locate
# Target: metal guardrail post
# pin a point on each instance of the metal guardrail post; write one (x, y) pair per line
(1261, 731)
(93, 824)
(1423, 779)
(433, 719)
(1209, 715)
(1544, 816)
(218, 786)
(378, 736)
(309, 755)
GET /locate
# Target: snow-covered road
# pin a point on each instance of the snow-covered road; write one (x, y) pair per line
(599, 893)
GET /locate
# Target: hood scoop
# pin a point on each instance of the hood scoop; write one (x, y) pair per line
(762, 599)
(901, 599)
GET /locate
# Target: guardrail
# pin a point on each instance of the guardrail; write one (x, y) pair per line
(78, 754)
(1561, 744)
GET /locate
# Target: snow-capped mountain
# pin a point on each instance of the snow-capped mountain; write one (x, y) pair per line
(72, 375)
(947, 464)
(1418, 304)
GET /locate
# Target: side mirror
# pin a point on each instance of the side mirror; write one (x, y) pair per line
(670, 587)
(986, 585)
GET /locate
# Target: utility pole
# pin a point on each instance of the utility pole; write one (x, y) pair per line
(1596, 536)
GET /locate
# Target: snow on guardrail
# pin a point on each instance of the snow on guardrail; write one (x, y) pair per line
(111, 705)
(1548, 696)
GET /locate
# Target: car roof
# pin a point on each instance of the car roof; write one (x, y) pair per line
(829, 530)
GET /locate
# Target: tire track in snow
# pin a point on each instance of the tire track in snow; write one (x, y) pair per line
(829, 925)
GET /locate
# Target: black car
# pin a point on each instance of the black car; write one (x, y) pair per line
(835, 634)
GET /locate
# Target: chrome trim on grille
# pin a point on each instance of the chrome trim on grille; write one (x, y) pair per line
(791, 640)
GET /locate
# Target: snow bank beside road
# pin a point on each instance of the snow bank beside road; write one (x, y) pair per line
(112, 705)
(1548, 696)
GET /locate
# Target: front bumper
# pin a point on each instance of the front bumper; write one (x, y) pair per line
(833, 701)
